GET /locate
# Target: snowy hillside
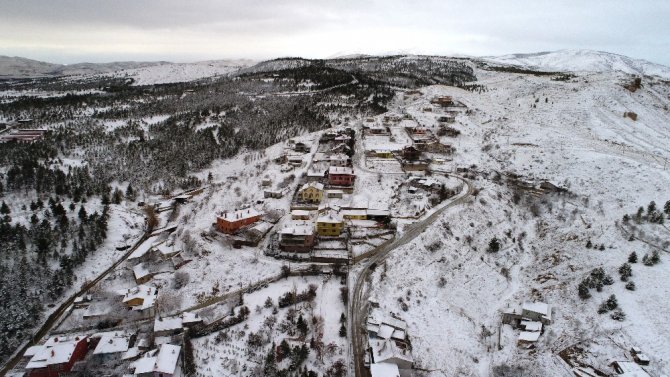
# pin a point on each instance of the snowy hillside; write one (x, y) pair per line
(182, 72)
(582, 61)
(17, 67)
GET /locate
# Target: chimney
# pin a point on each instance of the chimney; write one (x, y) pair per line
(53, 353)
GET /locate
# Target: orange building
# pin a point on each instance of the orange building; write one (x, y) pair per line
(231, 222)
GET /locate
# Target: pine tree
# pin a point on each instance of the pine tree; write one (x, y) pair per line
(632, 258)
(302, 326)
(583, 290)
(612, 302)
(83, 216)
(625, 271)
(651, 208)
(630, 285)
(343, 319)
(343, 331)
(494, 245)
(4, 209)
(130, 193)
(618, 315)
(666, 208)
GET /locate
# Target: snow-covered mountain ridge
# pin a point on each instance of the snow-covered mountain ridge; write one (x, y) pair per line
(582, 61)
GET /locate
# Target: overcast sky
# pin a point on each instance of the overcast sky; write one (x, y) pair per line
(69, 31)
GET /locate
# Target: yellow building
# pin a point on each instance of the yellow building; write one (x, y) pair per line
(330, 225)
(383, 154)
(311, 192)
(355, 214)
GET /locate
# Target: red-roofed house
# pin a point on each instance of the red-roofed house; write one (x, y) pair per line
(231, 222)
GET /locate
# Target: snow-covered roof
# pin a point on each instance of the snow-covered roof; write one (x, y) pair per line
(189, 317)
(536, 307)
(131, 353)
(378, 212)
(299, 212)
(145, 364)
(387, 349)
(32, 350)
(385, 331)
(262, 227)
(57, 350)
(144, 292)
(141, 271)
(531, 325)
(167, 359)
(529, 336)
(330, 217)
(143, 248)
(167, 324)
(340, 170)
(164, 362)
(384, 370)
(298, 228)
(112, 344)
(630, 369)
(315, 185)
(164, 249)
(354, 212)
(240, 214)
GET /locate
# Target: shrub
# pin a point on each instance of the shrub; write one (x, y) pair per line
(632, 258)
(618, 315)
(630, 285)
(494, 245)
(583, 290)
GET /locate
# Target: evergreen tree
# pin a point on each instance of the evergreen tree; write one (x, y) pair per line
(343, 331)
(270, 367)
(651, 208)
(612, 302)
(632, 258)
(4, 209)
(638, 215)
(630, 285)
(625, 271)
(589, 244)
(130, 193)
(302, 326)
(83, 216)
(494, 245)
(666, 208)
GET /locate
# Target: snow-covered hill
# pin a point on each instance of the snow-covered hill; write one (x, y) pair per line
(17, 67)
(182, 72)
(582, 61)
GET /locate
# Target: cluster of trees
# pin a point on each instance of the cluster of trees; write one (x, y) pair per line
(296, 356)
(596, 280)
(292, 298)
(652, 215)
(38, 261)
